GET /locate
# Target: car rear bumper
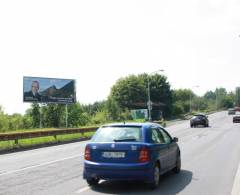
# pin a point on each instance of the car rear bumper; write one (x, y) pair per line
(198, 123)
(236, 120)
(117, 171)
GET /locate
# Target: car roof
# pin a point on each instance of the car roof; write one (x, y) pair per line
(131, 124)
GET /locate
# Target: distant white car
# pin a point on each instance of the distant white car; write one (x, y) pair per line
(231, 111)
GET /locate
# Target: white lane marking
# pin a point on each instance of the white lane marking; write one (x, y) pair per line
(40, 165)
(82, 190)
(236, 184)
(85, 188)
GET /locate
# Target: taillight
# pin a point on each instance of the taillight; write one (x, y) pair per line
(87, 154)
(144, 155)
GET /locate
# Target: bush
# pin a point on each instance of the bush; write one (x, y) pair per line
(177, 109)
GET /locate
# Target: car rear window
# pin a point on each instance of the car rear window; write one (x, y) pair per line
(199, 116)
(117, 134)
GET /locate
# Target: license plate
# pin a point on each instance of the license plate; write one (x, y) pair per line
(113, 154)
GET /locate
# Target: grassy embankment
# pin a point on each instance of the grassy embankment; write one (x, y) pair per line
(29, 142)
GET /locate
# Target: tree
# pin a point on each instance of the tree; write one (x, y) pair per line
(53, 115)
(161, 94)
(131, 93)
(15, 122)
(177, 108)
(76, 116)
(100, 118)
(92, 109)
(113, 109)
(181, 100)
(4, 125)
(209, 95)
(227, 102)
(27, 122)
(237, 101)
(34, 113)
(199, 104)
(224, 99)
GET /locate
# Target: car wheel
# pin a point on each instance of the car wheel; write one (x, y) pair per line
(156, 177)
(92, 181)
(177, 169)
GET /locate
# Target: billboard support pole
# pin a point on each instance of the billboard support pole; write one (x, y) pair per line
(40, 109)
(66, 116)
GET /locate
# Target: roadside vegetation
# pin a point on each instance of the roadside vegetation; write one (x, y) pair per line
(126, 94)
(25, 143)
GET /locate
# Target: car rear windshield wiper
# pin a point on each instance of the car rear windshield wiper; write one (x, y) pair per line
(125, 140)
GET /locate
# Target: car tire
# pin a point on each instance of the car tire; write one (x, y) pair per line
(93, 181)
(156, 175)
(177, 169)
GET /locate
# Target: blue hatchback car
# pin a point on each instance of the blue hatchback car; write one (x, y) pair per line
(131, 151)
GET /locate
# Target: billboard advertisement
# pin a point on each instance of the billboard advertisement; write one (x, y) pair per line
(49, 90)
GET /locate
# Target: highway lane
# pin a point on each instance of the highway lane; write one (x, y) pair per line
(23, 160)
(210, 158)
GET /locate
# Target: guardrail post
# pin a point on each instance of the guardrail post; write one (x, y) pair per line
(82, 133)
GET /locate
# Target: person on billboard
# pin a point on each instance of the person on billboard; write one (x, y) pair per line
(33, 94)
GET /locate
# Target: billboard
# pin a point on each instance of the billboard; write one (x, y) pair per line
(139, 114)
(49, 90)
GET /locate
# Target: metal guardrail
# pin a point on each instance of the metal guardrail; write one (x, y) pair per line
(43, 133)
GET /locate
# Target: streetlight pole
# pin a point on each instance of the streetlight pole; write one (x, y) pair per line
(149, 103)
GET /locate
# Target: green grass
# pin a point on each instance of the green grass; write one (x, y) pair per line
(25, 143)
(27, 130)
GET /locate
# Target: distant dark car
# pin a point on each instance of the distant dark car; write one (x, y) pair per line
(231, 111)
(199, 119)
(236, 119)
(131, 151)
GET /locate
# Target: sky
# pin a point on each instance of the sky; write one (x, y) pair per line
(96, 42)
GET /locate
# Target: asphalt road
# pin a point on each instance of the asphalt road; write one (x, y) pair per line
(210, 160)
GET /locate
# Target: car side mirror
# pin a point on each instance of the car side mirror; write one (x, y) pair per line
(175, 139)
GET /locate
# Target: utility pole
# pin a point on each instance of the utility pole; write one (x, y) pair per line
(149, 103)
